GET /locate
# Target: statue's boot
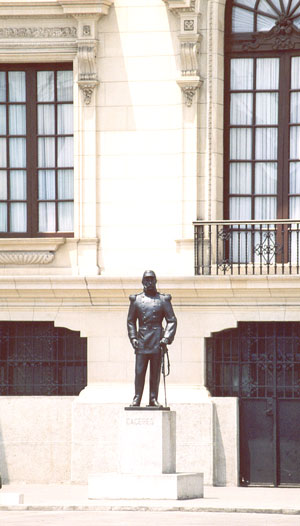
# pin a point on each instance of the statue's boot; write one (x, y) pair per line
(136, 401)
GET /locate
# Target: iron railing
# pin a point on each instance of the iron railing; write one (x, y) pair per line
(247, 247)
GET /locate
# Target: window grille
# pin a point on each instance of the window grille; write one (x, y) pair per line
(37, 358)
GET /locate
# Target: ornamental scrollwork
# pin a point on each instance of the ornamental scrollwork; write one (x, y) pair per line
(37, 257)
(38, 32)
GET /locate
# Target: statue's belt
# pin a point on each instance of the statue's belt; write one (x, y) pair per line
(149, 326)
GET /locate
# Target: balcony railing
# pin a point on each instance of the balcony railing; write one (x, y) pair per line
(247, 247)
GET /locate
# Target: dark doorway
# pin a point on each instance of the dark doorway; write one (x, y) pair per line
(260, 364)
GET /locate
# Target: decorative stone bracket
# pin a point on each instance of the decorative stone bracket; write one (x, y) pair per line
(189, 38)
(87, 76)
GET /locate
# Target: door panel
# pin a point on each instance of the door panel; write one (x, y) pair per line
(289, 441)
(256, 443)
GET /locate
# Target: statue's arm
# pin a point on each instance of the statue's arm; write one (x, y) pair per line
(171, 320)
(131, 321)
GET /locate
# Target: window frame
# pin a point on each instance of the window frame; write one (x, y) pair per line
(32, 167)
(261, 45)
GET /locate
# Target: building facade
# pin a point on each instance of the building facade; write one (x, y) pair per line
(149, 134)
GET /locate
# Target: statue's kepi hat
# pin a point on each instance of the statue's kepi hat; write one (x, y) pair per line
(148, 274)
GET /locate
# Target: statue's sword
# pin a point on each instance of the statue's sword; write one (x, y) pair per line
(165, 361)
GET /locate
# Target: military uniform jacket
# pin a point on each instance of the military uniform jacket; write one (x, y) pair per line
(149, 312)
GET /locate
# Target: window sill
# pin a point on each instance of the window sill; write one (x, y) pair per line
(29, 251)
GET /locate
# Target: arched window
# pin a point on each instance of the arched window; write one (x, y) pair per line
(262, 110)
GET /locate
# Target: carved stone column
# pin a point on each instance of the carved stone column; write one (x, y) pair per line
(189, 38)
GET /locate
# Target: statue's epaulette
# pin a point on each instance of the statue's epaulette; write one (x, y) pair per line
(132, 297)
(167, 297)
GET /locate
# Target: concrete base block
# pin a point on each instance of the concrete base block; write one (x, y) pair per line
(10, 498)
(131, 486)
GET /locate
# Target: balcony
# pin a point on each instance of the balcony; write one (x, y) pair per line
(247, 247)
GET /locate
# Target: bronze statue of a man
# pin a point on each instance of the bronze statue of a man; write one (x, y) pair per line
(149, 309)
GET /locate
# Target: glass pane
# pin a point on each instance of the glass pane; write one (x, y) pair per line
(65, 217)
(47, 217)
(240, 143)
(277, 4)
(240, 178)
(266, 143)
(3, 217)
(241, 74)
(295, 73)
(264, 6)
(267, 108)
(17, 153)
(46, 152)
(18, 217)
(286, 4)
(3, 184)
(295, 142)
(295, 107)
(293, 5)
(2, 86)
(65, 119)
(296, 22)
(65, 184)
(3, 158)
(264, 23)
(266, 178)
(46, 119)
(294, 208)
(65, 86)
(265, 208)
(267, 73)
(240, 208)
(18, 184)
(2, 120)
(242, 20)
(65, 152)
(16, 86)
(17, 119)
(249, 3)
(241, 105)
(295, 178)
(45, 86)
(46, 184)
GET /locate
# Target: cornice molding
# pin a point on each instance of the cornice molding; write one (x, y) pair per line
(46, 8)
(181, 6)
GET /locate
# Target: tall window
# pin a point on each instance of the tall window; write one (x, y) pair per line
(262, 110)
(36, 150)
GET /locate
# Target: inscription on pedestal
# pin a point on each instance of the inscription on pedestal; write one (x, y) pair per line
(148, 442)
(140, 421)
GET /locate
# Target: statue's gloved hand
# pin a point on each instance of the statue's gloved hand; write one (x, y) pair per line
(164, 341)
(134, 343)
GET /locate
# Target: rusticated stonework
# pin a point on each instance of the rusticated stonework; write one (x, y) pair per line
(26, 257)
(38, 32)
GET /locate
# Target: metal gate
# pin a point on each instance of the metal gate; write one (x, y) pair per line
(260, 364)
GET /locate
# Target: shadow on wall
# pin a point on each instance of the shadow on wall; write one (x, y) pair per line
(4, 477)
(220, 472)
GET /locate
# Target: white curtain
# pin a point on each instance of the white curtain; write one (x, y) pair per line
(2, 86)
(55, 152)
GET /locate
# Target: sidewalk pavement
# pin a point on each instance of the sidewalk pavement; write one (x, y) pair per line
(72, 497)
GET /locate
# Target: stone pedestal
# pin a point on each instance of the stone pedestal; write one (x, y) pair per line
(147, 462)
